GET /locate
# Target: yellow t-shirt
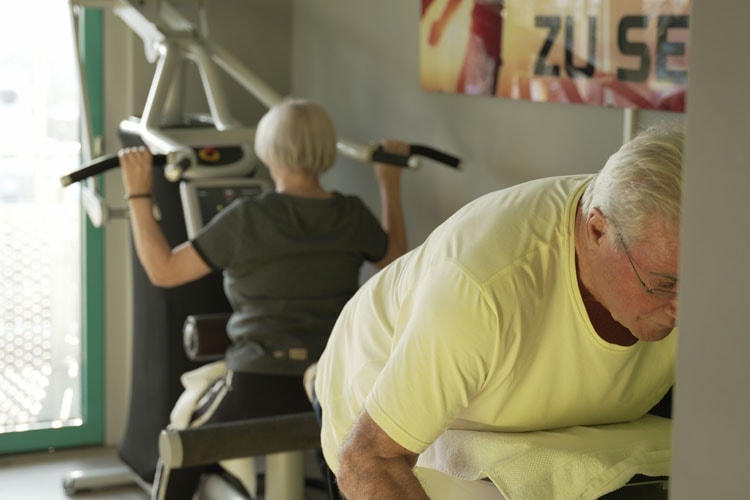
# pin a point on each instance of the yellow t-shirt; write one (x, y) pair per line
(482, 327)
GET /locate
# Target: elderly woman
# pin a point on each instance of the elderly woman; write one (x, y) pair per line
(291, 260)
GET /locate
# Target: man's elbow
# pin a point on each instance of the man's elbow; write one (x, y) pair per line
(357, 469)
(346, 477)
(364, 475)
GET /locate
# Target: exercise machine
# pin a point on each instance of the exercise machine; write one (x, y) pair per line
(199, 154)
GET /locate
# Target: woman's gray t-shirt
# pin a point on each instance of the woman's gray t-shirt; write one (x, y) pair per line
(290, 264)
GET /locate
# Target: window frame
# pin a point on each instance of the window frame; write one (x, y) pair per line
(91, 432)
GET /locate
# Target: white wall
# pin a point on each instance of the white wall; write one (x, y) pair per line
(711, 435)
(122, 96)
(360, 59)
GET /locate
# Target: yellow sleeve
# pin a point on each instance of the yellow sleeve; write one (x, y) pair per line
(445, 345)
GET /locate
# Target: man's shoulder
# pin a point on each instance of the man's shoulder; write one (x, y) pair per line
(562, 184)
(500, 228)
(518, 207)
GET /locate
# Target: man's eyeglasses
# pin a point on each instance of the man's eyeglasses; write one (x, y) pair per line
(656, 292)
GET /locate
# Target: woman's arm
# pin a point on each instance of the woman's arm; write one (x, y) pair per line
(165, 266)
(392, 214)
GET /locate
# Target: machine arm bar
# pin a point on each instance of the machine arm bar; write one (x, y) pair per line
(415, 150)
(436, 155)
(104, 163)
(100, 165)
(223, 441)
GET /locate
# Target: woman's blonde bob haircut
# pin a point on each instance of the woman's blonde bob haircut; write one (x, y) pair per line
(296, 134)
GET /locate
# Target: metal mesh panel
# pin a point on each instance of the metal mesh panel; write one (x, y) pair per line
(39, 317)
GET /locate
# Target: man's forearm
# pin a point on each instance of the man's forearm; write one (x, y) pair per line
(374, 466)
(383, 479)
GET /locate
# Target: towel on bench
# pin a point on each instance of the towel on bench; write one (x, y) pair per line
(196, 382)
(574, 463)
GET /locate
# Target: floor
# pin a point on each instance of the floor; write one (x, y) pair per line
(39, 476)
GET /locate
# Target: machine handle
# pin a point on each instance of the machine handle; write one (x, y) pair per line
(437, 155)
(107, 162)
(415, 150)
(381, 156)
(101, 165)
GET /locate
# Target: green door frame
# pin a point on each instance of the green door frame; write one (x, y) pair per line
(92, 244)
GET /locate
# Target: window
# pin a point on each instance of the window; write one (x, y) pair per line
(50, 354)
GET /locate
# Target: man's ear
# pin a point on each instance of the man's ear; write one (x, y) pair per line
(597, 226)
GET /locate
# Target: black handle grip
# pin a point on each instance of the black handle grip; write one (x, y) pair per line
(434, 154)
(381, 156)
(415, 150)
(101, 165)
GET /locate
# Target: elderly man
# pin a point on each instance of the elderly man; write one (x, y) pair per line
(545, 305)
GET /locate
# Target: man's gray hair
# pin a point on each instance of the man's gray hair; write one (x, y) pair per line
(641, 180)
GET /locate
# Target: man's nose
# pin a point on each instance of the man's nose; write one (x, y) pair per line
(672, 308)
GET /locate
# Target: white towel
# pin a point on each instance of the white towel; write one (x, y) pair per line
(196, 383)
(575, 463)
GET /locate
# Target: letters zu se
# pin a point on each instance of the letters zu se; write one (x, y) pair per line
(663, 48)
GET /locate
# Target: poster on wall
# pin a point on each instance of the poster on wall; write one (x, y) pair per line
(616, 53)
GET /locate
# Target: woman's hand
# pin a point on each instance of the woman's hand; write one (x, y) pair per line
(387, 174)
(137, 170)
